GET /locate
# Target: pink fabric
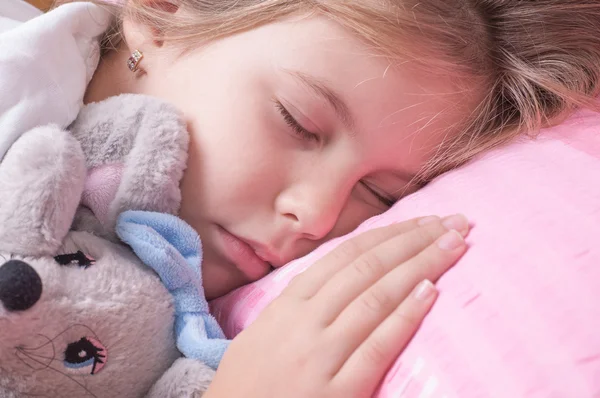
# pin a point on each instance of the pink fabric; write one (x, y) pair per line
(101, 188)
(519, 315)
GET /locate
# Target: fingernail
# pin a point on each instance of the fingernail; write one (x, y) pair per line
(424, 290)
(428, 220)
(450, 240)
(457, 222)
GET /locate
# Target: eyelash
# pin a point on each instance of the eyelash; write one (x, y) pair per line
(293, 123)
(307, 135)
(384, 200)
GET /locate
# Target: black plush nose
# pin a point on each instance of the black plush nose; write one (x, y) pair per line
(20, 286)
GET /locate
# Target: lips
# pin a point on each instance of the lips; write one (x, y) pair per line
(263, 253)
(243, 255)
(262, 256)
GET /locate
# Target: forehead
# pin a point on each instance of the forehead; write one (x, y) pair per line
(396, 103)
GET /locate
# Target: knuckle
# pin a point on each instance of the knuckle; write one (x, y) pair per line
(410, 319)
(375, 352)
(430, 261)
(430, 233)
(347, 250)
(376, 301)
(369, 265)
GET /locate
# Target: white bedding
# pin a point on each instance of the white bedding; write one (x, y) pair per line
(13, 12)
(45, 64)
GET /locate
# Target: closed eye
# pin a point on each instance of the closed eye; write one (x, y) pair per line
(296, 127)
(385, 200)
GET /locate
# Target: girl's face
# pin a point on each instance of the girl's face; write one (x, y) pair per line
(299, 132)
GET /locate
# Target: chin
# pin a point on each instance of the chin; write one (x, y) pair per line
(218, 280)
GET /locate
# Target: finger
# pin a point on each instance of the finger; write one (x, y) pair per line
(369, 363)
(371, 308)
(350, 282)
(309, 282)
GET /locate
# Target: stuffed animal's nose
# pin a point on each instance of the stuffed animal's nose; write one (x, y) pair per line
(20, 286)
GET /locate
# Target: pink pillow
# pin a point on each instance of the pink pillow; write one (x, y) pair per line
(519, 315)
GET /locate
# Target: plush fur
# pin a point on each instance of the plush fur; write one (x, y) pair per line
(147, 140)
(97, 323)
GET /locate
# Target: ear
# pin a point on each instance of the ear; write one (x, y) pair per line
(41, 181)
(140, 36)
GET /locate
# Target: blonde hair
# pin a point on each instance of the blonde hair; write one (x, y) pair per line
(537, 60)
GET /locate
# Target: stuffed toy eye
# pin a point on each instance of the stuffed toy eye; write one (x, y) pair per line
(79, 259)
(86, 356)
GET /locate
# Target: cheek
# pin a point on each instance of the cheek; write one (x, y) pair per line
(241, 152)
(230, 164)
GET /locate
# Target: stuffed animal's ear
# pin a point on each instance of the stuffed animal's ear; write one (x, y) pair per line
(185, 378)
(41, 180)
(142, 139)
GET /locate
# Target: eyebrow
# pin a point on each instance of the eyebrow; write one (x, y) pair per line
(320, 88)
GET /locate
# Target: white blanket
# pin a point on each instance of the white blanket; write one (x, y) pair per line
(13, 12)
(46, 64)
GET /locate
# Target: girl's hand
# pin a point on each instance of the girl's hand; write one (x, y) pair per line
(338, 327)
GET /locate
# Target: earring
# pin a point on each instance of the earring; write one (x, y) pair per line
(134, 60)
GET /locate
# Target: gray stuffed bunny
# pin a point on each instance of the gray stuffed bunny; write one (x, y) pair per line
(80, 315)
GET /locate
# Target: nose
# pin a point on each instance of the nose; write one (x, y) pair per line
(312, 208)
(20, 286)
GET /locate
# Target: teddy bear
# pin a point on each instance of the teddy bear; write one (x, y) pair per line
(80, 313)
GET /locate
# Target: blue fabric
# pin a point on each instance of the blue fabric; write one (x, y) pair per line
(173, 249)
